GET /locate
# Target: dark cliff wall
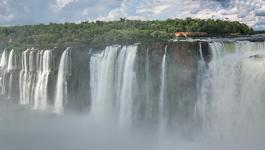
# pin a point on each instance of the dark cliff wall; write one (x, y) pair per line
(181, 75)
(181, 70)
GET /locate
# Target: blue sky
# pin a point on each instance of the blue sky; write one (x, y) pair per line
(13, 12)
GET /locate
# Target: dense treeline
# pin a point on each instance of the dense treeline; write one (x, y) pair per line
(101, 33)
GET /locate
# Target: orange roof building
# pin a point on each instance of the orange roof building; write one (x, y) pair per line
(186, 34)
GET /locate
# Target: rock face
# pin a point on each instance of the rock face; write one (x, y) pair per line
(136, 73)
(180, 78)
(257, 57)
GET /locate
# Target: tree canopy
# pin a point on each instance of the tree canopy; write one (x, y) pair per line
(102, 33)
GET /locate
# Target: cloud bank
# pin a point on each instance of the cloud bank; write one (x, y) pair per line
(13, 12)
(251, 12)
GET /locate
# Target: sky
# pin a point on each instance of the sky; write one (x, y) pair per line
(19, 12)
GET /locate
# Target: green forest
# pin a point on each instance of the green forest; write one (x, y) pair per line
(100, 33)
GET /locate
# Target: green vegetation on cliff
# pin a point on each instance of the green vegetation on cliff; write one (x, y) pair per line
(101, 33)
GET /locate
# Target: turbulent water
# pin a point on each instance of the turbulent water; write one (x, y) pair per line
(206, 95)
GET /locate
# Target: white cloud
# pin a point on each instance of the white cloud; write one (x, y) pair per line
(13, 12)
(155, 9)
(116, 13)
(145, 9)
(63, 3)
(251, 12)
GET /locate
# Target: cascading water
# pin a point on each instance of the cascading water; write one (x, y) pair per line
(34, 77)
(102, 70)
(201, 86)
(119, 89)
(137, 86)
(112, 82)
(11, 68)
(44, 63)
(119, 78)
(162, 96)
(233, 106)
(149, 102)
(28, 75)
(11, 61)
(170, 92)
(4, 58)
(128, 84)
(62, 85)
(3, 65)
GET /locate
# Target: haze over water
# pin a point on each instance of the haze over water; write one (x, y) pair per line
(136, 106)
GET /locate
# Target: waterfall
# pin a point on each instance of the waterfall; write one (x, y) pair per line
(44, 63)
(36, 66)
(200, 52)
(4, 58)
(136, 86)
(162, 95)
(201, 85)
(11, 61)
(27, 77)
(233, 106)
(62, 85)
(128, 84)
(10, 86)
(11, 68)
(24, 80)
(112, 82)
(3, 66)
(119, 79)
(149, 103)
(102, 70)
(34, 78)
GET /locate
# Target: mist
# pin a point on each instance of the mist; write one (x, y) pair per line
(24, 129)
